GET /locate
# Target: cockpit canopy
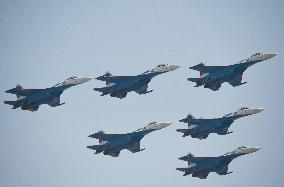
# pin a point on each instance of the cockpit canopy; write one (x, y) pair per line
(161, 65)
(100, 132)
(243, 108)
(64, 82)
(256, 54)
(152, 123)
(241, 147)
(226, 115)
(235, 151)
(155, 69)
(72, 78)
(107, 74)
(144, 128)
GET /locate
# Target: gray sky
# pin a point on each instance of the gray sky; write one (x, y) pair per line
(42, 43)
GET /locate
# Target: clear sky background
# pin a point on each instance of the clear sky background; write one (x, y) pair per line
(45, 42)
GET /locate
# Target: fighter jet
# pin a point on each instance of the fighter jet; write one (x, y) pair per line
(201, 128)
(201, 166)
(31, 99)
(119, 86)
(213, 77)
(112, 144)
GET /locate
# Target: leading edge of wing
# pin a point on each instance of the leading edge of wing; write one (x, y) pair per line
(207, 69)
(115, 79)
(101, 136)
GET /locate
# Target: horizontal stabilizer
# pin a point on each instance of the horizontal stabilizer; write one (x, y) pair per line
(15, 104)
(198, 81)
(100, 89)
(183, 130)
(11, 91)
(182, 169)
(194, 79)
(186, 132)
(93, 147)
(104, 90)
(10, 102)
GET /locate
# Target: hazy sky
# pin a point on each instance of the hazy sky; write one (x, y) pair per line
(45, 42)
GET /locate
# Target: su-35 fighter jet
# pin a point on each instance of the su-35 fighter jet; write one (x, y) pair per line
(201, 166)
(31, 99)
(112, 144)
(213, 77)
(119, 86)
(201, 128)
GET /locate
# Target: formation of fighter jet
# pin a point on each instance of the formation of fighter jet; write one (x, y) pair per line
(201, 128)
(31, 99)
(112, 144)
(213, 77)
(119, 86)
(201, 166)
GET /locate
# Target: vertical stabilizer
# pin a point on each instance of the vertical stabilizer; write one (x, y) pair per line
(108, 74)
(18, 87)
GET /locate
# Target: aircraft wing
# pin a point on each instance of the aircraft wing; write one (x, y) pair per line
(196, 159)
(119, 94)
(207, 69)
(223, 170)
(112, 153)
(24, 92)
(224, 131)
(215, 86)
(55, 102)
(200, 136)
(201, 175)
(115, 79)
(202, 121)
(237, 81)
(143, 90)
(33, 108)
(105, 137)
(135, 147)
(200, 159)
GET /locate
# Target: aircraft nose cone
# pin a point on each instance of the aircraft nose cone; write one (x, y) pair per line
(165, 124)
(258, 110)
(272, 55)
(268, 56)
(255, 149)
(85, 79)
(174, 67)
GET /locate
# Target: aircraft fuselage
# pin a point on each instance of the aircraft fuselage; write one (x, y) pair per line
(122, 142)
(211, 165)
(226, 75)
(133, 84)
(43, 97)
